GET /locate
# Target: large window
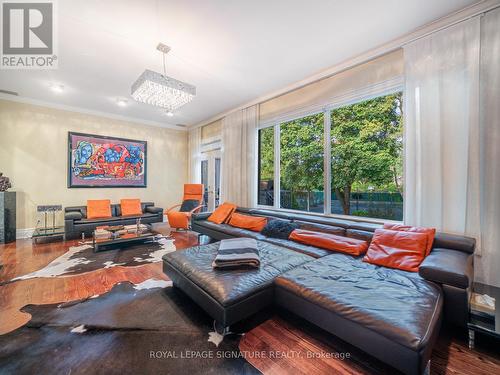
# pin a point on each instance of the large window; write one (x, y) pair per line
(301, 164)
(366, 149)
(365, 170)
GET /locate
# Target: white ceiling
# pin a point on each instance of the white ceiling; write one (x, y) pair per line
(232, 51)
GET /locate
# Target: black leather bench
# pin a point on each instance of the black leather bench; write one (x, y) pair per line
(229, 295)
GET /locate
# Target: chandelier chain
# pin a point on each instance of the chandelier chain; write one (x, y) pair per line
(164, 65)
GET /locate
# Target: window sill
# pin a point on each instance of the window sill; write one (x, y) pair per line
(358, 219)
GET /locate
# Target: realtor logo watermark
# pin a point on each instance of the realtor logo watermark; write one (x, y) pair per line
(28, 35)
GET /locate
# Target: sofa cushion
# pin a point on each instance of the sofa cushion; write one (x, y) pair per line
(189, 205)
(249, 222)
(402, 250)
(445, 266)
(430, 232)
(193, 191)
(222, 213)
(332, 221)
(322, 220)
(229, 286)
(359, 234)
(332, 229)
(367, 227)
(98, 208)
(130, 207)
(315, 252)
(277, 228)
(269, 213)
(73, 215)
(455, 242)
(396, 304)
(153, 210)
(114, 219)
(228, 229)
(329, 241)
(178, 219)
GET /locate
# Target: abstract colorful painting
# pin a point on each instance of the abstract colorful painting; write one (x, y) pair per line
(97, 161)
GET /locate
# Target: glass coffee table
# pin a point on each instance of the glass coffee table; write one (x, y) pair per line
(101, 241)
(47, 234)
(483, 318)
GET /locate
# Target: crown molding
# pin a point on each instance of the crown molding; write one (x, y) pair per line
(63, 107)
(451, 19)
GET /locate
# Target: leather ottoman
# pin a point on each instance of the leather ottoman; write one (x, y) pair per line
(391, 314)
(233, 294)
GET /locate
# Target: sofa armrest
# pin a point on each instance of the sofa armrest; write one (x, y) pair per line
(73, 215)
(154, 210)
(451, 267)
(201, 216)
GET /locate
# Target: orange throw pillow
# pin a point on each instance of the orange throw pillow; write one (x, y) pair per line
(254, 223)
(401, 250)
(329, 241)
(98, 209)
(431, 232)
(131, 207)
(222, 213)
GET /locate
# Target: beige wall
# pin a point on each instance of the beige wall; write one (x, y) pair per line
(33, 153)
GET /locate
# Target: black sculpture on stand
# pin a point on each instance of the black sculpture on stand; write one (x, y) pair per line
(7, 211)
(4, 183)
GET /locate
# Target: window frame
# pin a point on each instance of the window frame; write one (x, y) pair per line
(370, 93)
(258, 165)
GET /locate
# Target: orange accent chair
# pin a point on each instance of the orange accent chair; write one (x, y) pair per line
(191, 202)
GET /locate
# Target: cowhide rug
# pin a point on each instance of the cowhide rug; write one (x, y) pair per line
(81, 259)
(149, 328)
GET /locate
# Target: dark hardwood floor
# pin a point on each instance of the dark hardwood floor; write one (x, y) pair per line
(279, 333)
(22, 257)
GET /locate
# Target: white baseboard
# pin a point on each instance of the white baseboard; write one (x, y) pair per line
(24, 233)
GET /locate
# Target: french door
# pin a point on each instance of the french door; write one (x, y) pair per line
(210, 178)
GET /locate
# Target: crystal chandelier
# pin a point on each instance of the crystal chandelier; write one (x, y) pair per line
(160, 90)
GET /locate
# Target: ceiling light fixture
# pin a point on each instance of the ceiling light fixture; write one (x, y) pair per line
(160, 90)
(122, 102)
(169, 114)
(57, 88)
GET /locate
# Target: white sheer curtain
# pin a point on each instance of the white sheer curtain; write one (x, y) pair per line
(194, 149)
(487, 267)
(238, 156)
(452, 125)
(441, 129)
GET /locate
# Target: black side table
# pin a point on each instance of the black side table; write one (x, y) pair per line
(482, 320)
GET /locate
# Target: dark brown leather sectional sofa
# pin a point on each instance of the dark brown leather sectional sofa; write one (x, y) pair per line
(391, 314)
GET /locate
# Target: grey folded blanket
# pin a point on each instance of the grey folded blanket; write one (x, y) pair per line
(237, 252)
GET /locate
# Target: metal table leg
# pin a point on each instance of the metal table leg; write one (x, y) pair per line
(471, 338)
